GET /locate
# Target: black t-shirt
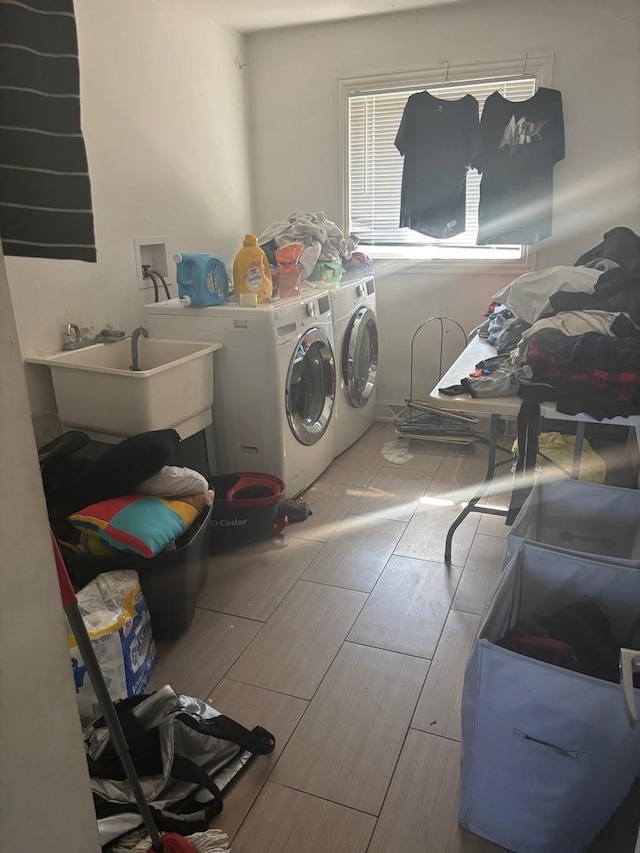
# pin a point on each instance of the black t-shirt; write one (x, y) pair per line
(519, 143)
(437, 139)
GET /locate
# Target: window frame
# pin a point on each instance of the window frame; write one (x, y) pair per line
(538, 66)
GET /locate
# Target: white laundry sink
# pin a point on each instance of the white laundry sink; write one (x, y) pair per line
(96, 390)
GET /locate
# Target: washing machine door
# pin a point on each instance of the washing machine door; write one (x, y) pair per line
(360, 357)
(311, 385)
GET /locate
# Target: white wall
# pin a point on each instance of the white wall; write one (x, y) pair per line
(164, 120)
(163, 115)
(294, 106)
(40, 734)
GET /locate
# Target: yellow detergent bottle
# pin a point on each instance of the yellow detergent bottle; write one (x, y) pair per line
(251, 273)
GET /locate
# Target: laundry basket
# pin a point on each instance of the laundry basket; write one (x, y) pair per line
(548, 754)
(581, 517)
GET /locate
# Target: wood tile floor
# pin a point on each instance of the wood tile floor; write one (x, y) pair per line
(349, 644)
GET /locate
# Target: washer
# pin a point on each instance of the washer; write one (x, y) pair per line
(355, 330)
(274, 382)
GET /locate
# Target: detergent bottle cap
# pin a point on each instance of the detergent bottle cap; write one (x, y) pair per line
(250, 240)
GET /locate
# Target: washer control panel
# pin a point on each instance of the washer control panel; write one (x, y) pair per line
(298, 315)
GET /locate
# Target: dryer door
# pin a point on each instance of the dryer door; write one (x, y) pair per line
(311, 385)
(360, 357)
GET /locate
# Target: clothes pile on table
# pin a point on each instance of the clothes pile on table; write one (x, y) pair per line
(570, 334)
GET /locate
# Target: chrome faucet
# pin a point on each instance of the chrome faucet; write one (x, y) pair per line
(72, 338)
(73, 328)
(134, 346)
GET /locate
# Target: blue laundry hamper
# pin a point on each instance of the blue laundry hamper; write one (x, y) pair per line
(581, 517)
(548, 754)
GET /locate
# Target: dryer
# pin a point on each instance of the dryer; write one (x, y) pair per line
(274, 382)
(355, 331)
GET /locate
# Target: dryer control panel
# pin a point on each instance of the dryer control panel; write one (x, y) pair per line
(296, 316)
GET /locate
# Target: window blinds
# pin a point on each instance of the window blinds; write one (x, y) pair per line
(375, 166)
(45, 194)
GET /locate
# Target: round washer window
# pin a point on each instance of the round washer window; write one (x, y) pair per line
(360, 358)
(311, 383)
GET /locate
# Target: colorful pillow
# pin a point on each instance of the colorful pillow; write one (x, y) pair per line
(139, 524)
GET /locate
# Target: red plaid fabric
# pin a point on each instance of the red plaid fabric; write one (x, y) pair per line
(621, 386)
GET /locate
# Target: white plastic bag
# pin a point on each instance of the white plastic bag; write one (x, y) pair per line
(397, 451)
(117, 618)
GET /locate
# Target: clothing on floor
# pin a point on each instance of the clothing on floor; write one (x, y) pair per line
(519, 144)
(529, 295)
(438, 140)
(556, 451)
(294, 508)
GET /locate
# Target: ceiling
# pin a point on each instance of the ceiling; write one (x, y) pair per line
(252, 15)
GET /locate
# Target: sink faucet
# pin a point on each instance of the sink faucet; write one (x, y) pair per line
(134, 346)
(74, 331)
(72, 338)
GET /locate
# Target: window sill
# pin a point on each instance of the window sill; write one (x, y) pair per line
(388, 262)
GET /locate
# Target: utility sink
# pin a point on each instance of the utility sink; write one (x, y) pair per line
(96, 390)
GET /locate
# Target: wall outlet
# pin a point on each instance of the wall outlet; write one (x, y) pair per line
(151, 251)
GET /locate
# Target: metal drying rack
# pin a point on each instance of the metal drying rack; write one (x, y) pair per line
(426, 422)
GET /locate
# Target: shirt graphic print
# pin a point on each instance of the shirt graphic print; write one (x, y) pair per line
(521, 132)
(520, 142)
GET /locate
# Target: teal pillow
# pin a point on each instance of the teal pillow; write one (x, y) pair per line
(139, 524)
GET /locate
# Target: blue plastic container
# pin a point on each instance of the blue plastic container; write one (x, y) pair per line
(202, 280)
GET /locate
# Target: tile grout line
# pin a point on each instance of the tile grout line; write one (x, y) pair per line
(326, 800)
(397, 761)
(308, 701)
(262, 626)
(321, 682)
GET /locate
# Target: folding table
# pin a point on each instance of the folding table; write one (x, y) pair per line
(498, 408)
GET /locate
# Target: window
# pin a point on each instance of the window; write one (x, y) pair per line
(374, 168)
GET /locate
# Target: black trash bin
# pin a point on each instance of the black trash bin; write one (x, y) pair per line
(244, 509)
(170, 581)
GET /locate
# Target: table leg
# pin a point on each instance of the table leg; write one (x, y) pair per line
(470, 507)
(208, 447)
(577, 451)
